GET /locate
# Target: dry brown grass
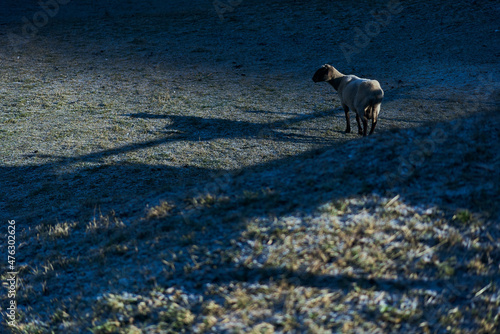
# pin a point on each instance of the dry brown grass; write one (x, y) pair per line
(169, 177)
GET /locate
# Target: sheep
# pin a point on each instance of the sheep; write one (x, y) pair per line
(363, 96)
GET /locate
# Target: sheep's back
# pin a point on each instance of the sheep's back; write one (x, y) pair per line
(358, 93)
(369, 92)
(348, 90)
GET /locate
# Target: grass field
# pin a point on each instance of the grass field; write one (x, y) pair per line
(174, 169)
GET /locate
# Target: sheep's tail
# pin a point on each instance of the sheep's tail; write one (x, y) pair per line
(373, 105)
(370, 110)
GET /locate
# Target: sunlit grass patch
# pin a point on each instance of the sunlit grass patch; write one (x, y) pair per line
(165, 311)
(160, 211)
(59, 230)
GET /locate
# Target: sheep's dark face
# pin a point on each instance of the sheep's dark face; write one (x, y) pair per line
(325, 73)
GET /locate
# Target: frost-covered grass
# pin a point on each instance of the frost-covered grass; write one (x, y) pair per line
(172, 173)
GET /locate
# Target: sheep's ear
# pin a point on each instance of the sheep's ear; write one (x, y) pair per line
(330, 71)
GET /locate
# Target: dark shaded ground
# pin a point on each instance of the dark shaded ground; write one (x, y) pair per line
(90, 231)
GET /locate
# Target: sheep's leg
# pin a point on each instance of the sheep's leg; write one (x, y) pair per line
(375, 111)
(365, 126)
(374, 123)
(360, 131)
(347, 119)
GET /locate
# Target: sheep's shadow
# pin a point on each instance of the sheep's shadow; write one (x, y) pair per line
(113, 182)
(193, 128)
